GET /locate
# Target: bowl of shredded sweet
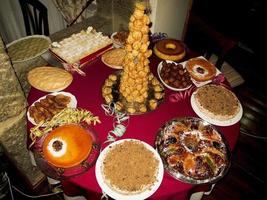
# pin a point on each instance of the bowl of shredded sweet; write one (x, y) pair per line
(27, 48)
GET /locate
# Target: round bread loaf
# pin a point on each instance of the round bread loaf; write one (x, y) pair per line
(170, 49)
(49, 79)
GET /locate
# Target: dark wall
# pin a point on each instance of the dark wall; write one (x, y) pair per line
(241, 20)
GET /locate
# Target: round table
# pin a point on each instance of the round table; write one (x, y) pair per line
(87, 90)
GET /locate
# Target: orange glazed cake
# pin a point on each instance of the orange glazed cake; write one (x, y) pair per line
(67, 146)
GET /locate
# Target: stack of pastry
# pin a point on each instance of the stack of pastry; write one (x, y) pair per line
(134, 80)
(139, 90)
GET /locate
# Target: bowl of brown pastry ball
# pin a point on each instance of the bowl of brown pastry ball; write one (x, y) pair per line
(119, 38)
(174, 75)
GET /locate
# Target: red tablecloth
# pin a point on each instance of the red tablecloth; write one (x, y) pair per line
(143, 127)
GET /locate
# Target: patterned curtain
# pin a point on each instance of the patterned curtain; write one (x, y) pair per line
(73, 11)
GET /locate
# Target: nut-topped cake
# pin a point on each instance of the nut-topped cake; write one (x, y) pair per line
(217, 102)
(130, 167)
(80, 45)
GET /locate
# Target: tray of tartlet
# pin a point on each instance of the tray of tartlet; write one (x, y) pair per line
(81, 47)
(193, 151)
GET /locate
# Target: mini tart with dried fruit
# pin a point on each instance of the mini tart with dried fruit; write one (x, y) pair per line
(200, 69)
(192, 150)
(67, 146)
(217, 102)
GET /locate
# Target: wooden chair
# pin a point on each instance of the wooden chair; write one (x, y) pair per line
(35, 17)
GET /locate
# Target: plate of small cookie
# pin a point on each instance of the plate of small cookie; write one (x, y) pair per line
(49, 105)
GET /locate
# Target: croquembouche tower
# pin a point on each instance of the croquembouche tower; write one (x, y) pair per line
(139, 90)
(134, 81)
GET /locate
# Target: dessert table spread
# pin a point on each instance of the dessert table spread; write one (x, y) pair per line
(87, 90)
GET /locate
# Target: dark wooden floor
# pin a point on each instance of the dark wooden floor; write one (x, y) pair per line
(247, 178)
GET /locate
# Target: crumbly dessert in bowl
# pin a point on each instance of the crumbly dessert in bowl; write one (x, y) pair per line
(130, 167)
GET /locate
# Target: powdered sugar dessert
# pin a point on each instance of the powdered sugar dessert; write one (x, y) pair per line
(79, 45)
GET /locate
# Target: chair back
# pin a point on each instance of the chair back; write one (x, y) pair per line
(35, 17)
(204, 39)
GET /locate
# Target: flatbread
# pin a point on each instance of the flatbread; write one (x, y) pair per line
(49, 79)
(217, 102)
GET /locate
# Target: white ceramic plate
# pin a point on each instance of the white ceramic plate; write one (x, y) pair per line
(217, 122)
(165, 84)
(72, 104)
(116, 195)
